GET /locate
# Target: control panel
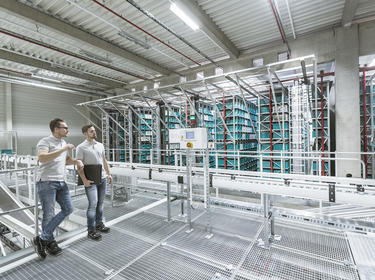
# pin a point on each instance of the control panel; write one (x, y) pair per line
(194, 138)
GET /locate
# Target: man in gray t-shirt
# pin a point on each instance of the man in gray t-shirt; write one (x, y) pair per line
(51, 185)
(92, 152)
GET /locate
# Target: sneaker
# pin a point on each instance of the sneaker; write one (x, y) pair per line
(53, 249)
(39, 247)
(92, 234)
(102, 228)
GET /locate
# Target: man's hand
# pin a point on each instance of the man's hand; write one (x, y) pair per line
(79, 164)
(69, 147)
(88, 183)
(109, 179)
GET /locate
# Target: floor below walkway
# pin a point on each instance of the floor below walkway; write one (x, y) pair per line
(147, 246)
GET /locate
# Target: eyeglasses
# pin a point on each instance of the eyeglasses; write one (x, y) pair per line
(64, 127)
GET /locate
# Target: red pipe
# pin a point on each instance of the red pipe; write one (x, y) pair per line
(140, 28)
(270, 109)
(365, 121)
(17, 72)
(70, 54)
(187, 113)
(277, 21)
(322, 119)
(224, 138)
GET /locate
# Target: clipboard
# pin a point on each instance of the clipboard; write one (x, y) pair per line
(92, 172)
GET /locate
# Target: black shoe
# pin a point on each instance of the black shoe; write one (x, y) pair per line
(92, 234)
(102, 228)
(53, 249)
(39, 247)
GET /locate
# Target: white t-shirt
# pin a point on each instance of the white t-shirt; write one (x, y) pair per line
(55, 169)
(91, 153)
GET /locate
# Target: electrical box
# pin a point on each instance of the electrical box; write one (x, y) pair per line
(194, 138)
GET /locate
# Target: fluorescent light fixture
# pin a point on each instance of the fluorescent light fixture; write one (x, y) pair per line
(46, 79)
(134, 40)
(180, 13)
(95, 56)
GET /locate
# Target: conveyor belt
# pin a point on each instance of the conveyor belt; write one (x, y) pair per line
(363, 248)
(147, 246)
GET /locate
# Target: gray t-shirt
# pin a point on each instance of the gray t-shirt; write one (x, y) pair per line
(53, 170)
(91, 153)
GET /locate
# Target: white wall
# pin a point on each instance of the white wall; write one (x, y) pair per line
(32, 110)
(2, 106)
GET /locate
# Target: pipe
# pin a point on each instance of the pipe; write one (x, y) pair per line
(366, 68)
(290, 19)
(143, 30)
(187, 113)
(271, 127)
(149, 15)
(279, 25)
(365, 121)
(16, 72)
(35, 42)
(322, 119)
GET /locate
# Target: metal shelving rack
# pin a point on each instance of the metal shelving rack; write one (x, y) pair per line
(274, 131)
(367, 135)
(240, 137)
(146, 139)
(300, 117)
(200, 103)
(321, 126)
(173, 119)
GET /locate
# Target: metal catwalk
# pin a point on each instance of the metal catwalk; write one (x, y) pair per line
(147, 246)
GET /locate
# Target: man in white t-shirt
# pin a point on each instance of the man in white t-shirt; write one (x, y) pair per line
(51, 185)
(92, 152)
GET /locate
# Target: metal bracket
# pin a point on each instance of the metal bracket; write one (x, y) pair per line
(332, 192)
(160, 170)
(360, 188)
(150, 174)
(210, 180)
(209, 236)
(133, 167)
(232, 177)
(287, 182)
(189, 230)
(109, 272)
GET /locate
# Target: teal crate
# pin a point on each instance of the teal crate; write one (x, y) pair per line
(6, 151)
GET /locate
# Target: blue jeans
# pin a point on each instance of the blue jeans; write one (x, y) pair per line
(49, 192)
(95, 194)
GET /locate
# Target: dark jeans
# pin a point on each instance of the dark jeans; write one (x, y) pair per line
(95, 194)
(49, 192)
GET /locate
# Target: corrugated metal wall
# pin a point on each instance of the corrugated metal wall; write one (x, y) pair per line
(33, 108)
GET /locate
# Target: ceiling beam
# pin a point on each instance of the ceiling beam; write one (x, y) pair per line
(349, 11)
(206, 24)
(26, 60)
(29, 13)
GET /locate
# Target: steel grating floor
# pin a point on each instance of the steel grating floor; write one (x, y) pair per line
(147, 246)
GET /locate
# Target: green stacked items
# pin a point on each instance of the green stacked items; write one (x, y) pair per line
(278, 145)
(240, 134)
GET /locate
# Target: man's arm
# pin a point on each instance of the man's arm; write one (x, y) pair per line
(106, 167)
(77, 162)
(45, 156)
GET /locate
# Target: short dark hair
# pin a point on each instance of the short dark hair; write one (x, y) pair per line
(86, 127)
(55, 123)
